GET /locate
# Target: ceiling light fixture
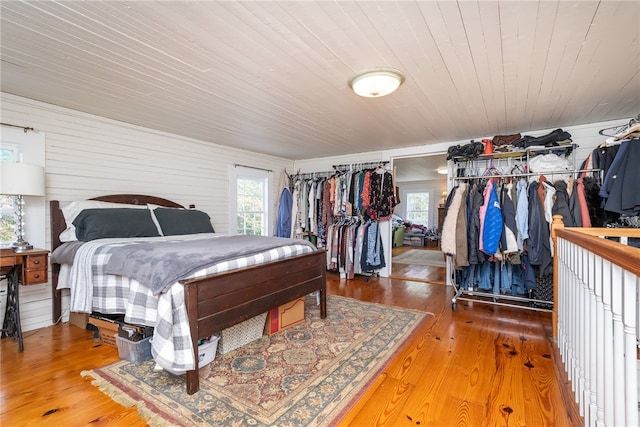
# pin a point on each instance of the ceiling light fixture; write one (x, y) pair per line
(442, 171)
(376, 82)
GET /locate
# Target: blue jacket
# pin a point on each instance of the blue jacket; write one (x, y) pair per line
(283, 223)
(493, 223)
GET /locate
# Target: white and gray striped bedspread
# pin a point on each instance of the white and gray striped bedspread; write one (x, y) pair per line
(92, 290)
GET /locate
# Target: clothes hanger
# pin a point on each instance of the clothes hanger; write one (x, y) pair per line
(517, 169)
(615, 130)
(631, 132)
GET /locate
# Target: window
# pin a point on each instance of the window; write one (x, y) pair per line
(418, 208)
(252, 201)
(251, 206)
(8, 153)
(7, 220)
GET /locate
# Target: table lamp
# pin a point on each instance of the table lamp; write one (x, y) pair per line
(21, 179)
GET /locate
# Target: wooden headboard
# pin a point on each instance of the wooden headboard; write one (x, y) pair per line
(58, 225)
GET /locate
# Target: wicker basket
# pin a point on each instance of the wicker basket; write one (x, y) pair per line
(241, 334)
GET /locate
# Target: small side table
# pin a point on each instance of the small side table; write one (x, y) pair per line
(26, 268)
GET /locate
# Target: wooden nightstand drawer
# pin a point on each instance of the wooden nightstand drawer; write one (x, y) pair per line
(35, 277)
(36, 261)
(35, 269)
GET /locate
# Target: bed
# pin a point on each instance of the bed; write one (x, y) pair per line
(217, 301)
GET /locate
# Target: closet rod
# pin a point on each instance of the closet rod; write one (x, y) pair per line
(251, 167)
(19, 127)
(324, 174)
(337, 168)
(360, 165)
(518, 175)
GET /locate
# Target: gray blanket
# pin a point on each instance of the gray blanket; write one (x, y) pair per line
(65, 253)
(160, 264)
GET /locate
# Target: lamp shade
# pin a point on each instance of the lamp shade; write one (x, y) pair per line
(21, 179)
(376, 82)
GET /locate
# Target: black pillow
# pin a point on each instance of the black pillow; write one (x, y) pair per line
(94, 224)
(183, 221)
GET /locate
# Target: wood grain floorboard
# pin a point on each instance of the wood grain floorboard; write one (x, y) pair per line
(479, 365)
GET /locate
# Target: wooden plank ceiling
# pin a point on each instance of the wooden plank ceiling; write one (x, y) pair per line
(271, 77)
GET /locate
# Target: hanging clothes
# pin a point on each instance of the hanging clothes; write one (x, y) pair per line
(624, 180)
(582, 203)
(296, 215)
(612, 172)
(474, 203)
(493, 223)
(383, 196)
(603, 156)
(283, 222)
(522, 213)
(508, 241)
(538, 242)
(331, 211)
(483, 212)
(462, 255)
(372, 247)
(561, 204)
(448, 240)
(574, 204)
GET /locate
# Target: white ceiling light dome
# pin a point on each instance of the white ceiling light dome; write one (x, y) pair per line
(376, 82)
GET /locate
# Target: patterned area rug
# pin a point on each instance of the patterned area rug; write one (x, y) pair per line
(307, 375)
(421, 257)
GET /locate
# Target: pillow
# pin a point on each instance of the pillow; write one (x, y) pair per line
(152, 207)
(94, 224)
(71, 210)
(183, 221)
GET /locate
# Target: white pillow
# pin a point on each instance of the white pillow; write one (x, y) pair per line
(72, 209)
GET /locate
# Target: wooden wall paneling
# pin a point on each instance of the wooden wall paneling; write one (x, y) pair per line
(88, 156)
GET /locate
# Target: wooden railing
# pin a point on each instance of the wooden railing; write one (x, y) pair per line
(596, 318)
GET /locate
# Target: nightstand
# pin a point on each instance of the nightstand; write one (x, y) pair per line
(27, 268)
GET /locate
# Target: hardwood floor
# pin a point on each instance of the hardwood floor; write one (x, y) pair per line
(480, 365)
(418, 273)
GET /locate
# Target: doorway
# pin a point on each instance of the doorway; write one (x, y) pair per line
(422, 190)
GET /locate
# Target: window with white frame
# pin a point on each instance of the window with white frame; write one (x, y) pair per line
(418, 207)
(250, 201)
(8, 153)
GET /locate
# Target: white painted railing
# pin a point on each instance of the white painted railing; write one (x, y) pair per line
(597, 288)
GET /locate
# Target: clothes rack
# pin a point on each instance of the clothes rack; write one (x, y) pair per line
(361, 192)
(486, 279)
(338, 169)
(526, 174)
(360, 166)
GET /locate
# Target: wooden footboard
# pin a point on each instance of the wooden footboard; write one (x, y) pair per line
(223, 300)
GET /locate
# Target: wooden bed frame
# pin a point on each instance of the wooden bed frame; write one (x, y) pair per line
(222, 300)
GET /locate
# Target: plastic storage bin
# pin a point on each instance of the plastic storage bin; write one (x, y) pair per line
(134, 351)
(207, 351)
